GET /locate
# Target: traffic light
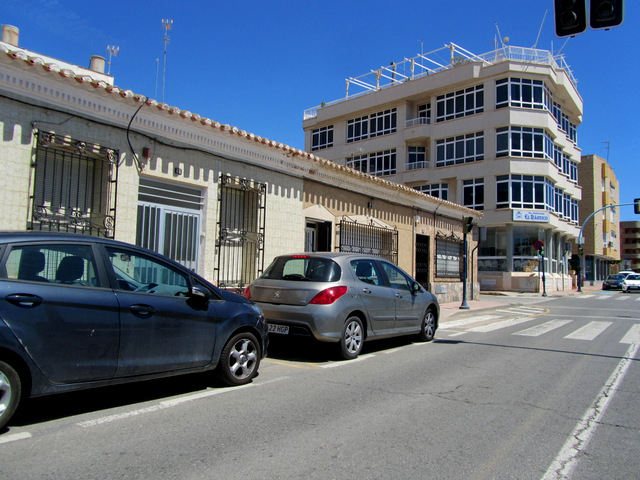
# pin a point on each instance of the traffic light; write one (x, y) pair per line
(606, 13)
(571, 17)
(636, 205)
(467, 224)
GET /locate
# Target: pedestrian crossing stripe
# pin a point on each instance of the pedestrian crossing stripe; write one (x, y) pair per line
(633, 335)
(509, 322)
(543, 328)
(590, 331)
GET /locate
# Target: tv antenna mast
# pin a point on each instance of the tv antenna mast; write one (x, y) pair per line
(111, 51)
(167, 25)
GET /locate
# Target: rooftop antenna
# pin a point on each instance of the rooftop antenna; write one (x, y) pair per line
(506, 39)
(541, 25)
(157, 64)
(167, 25)
(111, 51)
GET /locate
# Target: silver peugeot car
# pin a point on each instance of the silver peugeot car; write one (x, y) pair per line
(343, 298)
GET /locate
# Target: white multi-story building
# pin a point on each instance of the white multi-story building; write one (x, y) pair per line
(494, 132)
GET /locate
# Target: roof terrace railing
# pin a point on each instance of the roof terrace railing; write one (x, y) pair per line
(422, 65)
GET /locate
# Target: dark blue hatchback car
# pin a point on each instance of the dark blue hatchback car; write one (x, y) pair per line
(78, 312)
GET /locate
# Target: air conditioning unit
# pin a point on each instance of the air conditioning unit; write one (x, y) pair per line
(611, 245)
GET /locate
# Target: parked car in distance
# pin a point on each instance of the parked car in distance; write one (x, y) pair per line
(343, 298)
(79, 312)
(624, 273)
(632, 282)
(613, 281)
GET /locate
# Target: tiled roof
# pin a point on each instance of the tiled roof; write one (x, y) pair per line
(85, 76)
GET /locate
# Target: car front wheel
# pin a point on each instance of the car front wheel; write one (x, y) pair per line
(352, 338)
(10, 391)
(240, 359)
(428, 329)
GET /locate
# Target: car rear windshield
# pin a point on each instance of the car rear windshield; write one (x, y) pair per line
(303, 268)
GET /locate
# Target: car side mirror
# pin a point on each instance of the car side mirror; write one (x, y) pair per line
(415, 287)
(199, 293)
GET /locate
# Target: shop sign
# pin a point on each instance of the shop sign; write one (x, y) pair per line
(530, 216)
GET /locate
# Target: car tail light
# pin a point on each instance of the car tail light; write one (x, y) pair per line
(328, 296)
(247, 291)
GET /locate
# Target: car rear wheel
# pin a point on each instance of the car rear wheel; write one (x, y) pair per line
(240, 359)
(352, 338)
(10, 391)
(428, 329)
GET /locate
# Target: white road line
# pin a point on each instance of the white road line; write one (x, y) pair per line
(468, 321)
(14, 437)
(590, 331)
(170, 403)
(348, 362)
(522, 311)
(543, 328)
(197, 396)
(587, 296)
(577, 442)
(633, 335)
(602, 297)
(621, 299)
(498, 325)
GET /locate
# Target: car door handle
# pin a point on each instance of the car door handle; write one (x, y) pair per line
(24, 300)
(398, 295)
(141, 309)
(366, 290)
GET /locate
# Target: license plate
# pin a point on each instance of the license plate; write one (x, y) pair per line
(278, 329)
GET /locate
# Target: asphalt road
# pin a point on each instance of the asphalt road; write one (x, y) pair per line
(540, 391)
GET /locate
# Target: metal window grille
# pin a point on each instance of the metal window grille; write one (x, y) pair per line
(74, 186)
(241, 227)
(369, 239)
(448, 259)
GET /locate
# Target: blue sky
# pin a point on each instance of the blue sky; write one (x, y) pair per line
(259, 64)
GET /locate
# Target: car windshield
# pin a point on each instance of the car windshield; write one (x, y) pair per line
(305, 268)
(615, 277)
(633, 277)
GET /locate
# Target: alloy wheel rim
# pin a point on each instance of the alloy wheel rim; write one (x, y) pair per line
(242, 359)
(5, 392)
(353, 337)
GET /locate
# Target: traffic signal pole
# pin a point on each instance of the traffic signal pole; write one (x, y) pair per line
(580, 238)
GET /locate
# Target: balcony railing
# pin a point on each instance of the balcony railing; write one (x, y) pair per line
(417, 165)
(418, 121)
(422, 65)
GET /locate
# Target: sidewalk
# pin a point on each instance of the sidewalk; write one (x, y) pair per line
(489, 300)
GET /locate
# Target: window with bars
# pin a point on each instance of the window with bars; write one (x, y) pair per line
(74, 186)
(449, 258)
(241, 227)
(369, 239)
